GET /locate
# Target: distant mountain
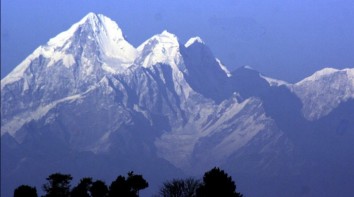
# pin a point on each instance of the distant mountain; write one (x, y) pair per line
(90, 104)
(324, 91)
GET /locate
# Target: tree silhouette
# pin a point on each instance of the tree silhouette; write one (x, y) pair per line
(119, 187)
(99, 189)
(136, 183)
(82, 189)
(191, 186)
(217, 183)
(25, 191)
(127, 187)
(179, 188)
(58, 185)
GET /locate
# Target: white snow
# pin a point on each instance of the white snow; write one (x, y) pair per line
(19, 70)
(19, 120)
(25, 86)
(145, 113)
(55, 56)
(116, 52)
(248, 67)
(177, 146)
(193, 40)
(350, 72)
(223, 67)
(249, 127)
(111, 40)
(323, 91)
(68, 60)
(319, 74)
(162, 48)
(275, 82)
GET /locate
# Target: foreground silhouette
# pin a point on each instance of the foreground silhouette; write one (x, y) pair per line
(129, 186)
(179, 188)
(215, 183)
(58, 185)
(25, 190)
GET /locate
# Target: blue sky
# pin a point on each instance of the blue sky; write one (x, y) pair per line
(287, 39)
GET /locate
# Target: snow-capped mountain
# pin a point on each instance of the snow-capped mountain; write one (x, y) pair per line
(67, 66)
(324, 91)
(88, 101)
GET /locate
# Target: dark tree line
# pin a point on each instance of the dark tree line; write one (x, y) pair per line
(215, 183)
(58, 185)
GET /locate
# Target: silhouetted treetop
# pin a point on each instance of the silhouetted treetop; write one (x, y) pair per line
(179, 188)
(217, 183)
(82, 189)
(99, 189)
(25, 191)
(58, 185)
(129, 186)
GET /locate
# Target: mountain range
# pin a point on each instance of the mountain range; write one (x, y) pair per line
(90, 104)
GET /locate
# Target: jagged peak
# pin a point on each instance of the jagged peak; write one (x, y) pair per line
(108, 36)
(90, 16)
(165, 38)
(166, 33)
(319, 74)
(160, 48)
(96, 22)
(193, 40)
(326, 71)
(115, 51)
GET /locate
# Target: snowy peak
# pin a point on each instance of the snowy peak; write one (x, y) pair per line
(98, 23)
(193, 40)
(94, 39)
(164, 39)
(332, 74)
(323, 91)
(94, 35)
(110, 39)
(161, 48)
(319, 74)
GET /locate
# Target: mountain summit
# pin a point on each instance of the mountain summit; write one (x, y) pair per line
(95, 38)
(88, 102)
(99, 34)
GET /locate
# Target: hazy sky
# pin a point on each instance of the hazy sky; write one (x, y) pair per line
(287, 39)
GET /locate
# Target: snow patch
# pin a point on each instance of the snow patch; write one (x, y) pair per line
(178, 146)
(223, 67)
(56, 56)
(18, 72)
(193, 40)
(248, 67)
(143, 112)
(19, 120)
(274, 82)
